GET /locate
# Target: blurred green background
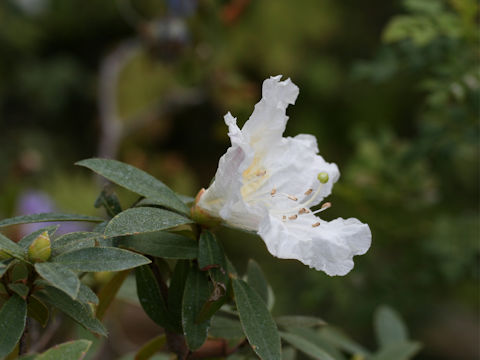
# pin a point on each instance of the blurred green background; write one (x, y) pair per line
(390, 89)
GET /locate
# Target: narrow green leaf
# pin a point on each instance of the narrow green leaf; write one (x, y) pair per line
(26, 241)
(299, 321)
(256, 279)
(176, 290)
(289, 353)
(37, 310)
(151, 298)
(143, 220)
(306, 346)
(150, 348)
(196, 294)
(47, 217)
(13, 316)
(315, 338)
(11, 248)
(72, 350)
(79, 312)
(211, 257)
(108, 292)
(20, 289)
(222, 327)
(161, 244)
(4, 265)
(257, 322)
(136, 181)
(86, 295)
(109, 200)
(342, 341)
(389, 327)
(60, 277)
(404, 350)
(101, 259)
(74, 241)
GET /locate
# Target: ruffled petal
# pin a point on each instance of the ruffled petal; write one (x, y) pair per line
(268, 120)
(329, 247)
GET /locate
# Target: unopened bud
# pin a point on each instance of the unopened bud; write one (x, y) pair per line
(40, 249)
(323, 177)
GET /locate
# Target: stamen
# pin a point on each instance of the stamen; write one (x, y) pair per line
(323, 207)
(273, 192)
(303, 211)
(308, 192)
(316, 224)
(261, 172)
(293, 217)
(284, 218)
(291, 197)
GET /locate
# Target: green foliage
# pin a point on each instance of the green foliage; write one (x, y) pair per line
(36, 218)
(13, 316)
(60, 277)
(143, 220)
(137, 181)
(72, 350)
(257, 322)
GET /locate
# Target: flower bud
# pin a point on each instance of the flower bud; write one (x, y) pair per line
(40, 249)
(323, 177)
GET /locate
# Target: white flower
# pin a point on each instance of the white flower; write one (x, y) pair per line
(268, 183)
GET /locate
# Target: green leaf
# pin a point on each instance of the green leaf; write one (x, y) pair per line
(389, 327)
(20, 289)
(136, 181)
(13, 315)
(222, 327)
(299, 321)
(161, 244)
(211, 257)
(72, 350)
(306, 346)
(150, 348)
(109, 200)
(47, 217)
(79, 312)
(27, 240)
(60, 277)
(101, 259)
(404, 350)
(175, 292)
(257, 323)
(37, 310)
(150, 297)
(11, 248)
(74, 241)
(313, 336)
(143, 220)
(342, 341)
(196, 294)
(86, 295)
(4, 265)
(256, 279)
(108, 292)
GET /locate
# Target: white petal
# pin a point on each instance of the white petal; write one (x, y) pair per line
(268, 120)
(329, 247)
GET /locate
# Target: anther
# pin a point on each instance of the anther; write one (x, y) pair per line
(326, 205)
(284, 218)
(261, 173)
(273, 192)
(291, 197)
(322, 177)
(293, 217)
(316, 224)
(308, 192)
(303, 211)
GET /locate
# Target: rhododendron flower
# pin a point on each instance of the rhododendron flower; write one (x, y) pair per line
(268, 183)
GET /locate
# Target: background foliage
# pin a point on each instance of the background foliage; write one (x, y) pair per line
(390, 89)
